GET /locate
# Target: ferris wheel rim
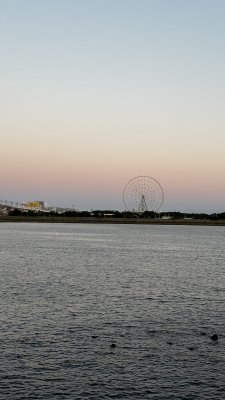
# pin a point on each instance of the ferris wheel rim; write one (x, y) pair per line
(139, 190)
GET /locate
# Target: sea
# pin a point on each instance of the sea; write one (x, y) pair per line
(97, 311)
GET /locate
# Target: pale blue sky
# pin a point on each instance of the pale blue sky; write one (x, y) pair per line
(95, 92)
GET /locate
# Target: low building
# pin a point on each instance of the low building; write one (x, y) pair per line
(37, 204)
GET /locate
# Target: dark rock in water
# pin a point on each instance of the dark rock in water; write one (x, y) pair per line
(113, 345)
(94, 337)
(214, 337)
(202, 333)
(170, 343)
(191, 348)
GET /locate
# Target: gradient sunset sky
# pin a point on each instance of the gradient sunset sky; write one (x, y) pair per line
(96, 92)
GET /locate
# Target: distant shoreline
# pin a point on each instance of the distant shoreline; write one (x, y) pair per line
(89, 220)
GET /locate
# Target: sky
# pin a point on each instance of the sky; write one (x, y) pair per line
(97, 92)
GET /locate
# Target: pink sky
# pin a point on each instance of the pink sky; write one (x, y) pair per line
(93, 99)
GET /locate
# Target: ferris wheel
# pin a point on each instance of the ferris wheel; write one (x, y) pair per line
(143, 193)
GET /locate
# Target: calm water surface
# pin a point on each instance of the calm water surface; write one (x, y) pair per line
(69, 291)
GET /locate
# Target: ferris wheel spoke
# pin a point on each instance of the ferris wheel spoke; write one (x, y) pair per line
(142, 182)
(136, 186)
(131, 186)
(138, 183)
(133, 189)
(145, 185)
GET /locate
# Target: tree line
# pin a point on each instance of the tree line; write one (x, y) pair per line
(117, 214)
